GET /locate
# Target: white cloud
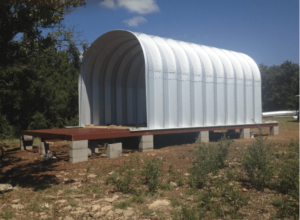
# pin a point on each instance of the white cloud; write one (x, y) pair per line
(139, 6)
(108, 3)
(136, 6)
(135, 21)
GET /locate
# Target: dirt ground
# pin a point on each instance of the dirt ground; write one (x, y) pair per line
(46, 189)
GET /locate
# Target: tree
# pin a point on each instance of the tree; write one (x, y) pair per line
(38, 71)
(29, 18)
(280, 85)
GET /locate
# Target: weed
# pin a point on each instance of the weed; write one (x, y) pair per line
(165, 186)
(289, 181)
(175, 203)
(176, 177)
(289, 173)
(138, 199)
(257, 162)
(222, 150)
(147, 212)
(122, 205)
(127, 178)
(88, 168)
(152, 172)
(73, 204)
(7, 214)
(189, 213)
(205, 162)
(278, 202)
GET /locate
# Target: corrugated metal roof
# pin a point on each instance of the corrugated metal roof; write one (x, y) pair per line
(134, 79)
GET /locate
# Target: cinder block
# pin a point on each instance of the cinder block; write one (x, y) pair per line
(245, 133)
(274, 130)
(79, 144)
(114, 150)
(79, 153)
(203, 136)
(147, 138)
(148, 146)
(43, 148)
(26, 142)
(146, 143)
(78, 159)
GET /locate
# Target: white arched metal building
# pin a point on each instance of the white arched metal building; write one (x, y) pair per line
(147, 81)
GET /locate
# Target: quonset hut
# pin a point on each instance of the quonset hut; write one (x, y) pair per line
(147, 81)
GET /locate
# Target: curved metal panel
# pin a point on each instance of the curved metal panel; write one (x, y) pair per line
(132, 79)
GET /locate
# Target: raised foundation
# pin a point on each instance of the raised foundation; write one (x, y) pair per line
(43, 148)
(231, 131)
(78, 151)
(203, 136)
(146, 143)
(26, 142)
(114, 150)
(93, 147)
(274, 130)
(245, 133)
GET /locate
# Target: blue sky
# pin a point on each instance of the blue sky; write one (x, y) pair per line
(266, 30)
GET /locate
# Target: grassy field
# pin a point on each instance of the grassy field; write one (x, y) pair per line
(254, 178)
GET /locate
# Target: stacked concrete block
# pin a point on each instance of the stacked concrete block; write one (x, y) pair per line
(26, 142)
(78, 151)
(114, 150)
(93, 147)
(146, 143)
(274, 130)
(245, 133)
(43, 148)
(203, 136)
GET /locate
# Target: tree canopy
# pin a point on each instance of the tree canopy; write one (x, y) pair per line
(280, 85)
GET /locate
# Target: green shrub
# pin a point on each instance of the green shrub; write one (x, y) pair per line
(138, 199)
(7, 214)
(151, 173)
(222, 150)
(127, 178)
(175, 177)
(257, 162)
(208, 159)
(278, 202)
(122, 205)
(289, 182)
(189, 213)
(289, 173)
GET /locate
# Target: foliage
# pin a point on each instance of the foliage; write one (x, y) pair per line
(280, 84)
(289, 182)
(257, 162)
(38, 70)
(29, 19)
(127, 178)
(175, 176)
(7, 214)
(122, 205)
(218, 197)
(134, 172)
(151, 174)
(208, 159)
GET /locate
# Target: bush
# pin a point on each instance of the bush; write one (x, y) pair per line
(151, 173)
(289, 182)
(133, 173)
(289, 173)
(257, 162)
(208, 159)
(126, 179)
